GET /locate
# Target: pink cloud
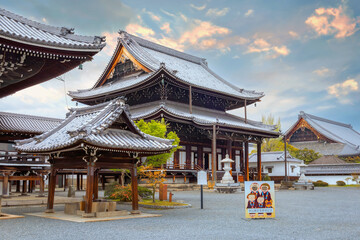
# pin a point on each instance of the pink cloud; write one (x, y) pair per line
(342, 89)
(260, 45)
(111, 42)
(166, 27)
(328, 21)
(134, 28)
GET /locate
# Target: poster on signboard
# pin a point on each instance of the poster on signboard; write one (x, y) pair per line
(259, 199)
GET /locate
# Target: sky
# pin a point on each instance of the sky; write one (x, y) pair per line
(304, 55)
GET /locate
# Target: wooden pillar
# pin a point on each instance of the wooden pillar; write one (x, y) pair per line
(24, 187)
(242, 164)
(81, 182)
(42, 186)
(134, 188)
(18, 186)
(259, 161)
(246, 161)
(188, 157)
(65, 182)
(176, 159)
(103, 181)
(51, 191)
(89, 187)
(78, 182)
(96, 184)
(200, 156)
(214, 153)
(190, 100)
(5, 193)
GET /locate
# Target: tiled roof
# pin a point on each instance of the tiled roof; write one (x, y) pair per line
(333, 169)
(200, 116)
(273, 157)
(328, 160)
(17, 28)
(184, 67)
(13, 122)
(336, 131)
(92, 126)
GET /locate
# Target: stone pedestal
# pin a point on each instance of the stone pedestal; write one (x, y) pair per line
(227, 184)
(303, 183)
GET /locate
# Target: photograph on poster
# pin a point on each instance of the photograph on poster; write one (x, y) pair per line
(259, 199)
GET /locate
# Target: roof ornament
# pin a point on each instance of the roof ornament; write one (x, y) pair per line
(65, 31)
(123, 34)
(99, 39)
(162, 64)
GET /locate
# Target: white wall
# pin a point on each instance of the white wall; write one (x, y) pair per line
(331, 179)
(279, 168)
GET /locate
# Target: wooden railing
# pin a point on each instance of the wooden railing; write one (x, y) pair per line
(9, 157)
(183, 167)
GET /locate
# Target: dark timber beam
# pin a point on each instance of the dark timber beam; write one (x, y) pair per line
(134, 187)
(246, 161)
(213, 155)
(259, 161)
(51, 191)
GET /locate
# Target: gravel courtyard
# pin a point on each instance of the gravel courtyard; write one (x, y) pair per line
(326, 213)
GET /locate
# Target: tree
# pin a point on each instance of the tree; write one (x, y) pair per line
(307, 155)
(152, 177)
(124, 173)
(159, 129)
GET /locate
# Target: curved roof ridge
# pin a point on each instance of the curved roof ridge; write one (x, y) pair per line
(30, 116)
(51, 29)
(205, 66)
(170, 51)
(324, 119)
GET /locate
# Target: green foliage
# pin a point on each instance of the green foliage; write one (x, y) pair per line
(121, 193)
(307, 155)
(355, 159)
(266, 178)
(159, 129)
(124, 193)
(144, 192)
(340, 183)
(320, 183)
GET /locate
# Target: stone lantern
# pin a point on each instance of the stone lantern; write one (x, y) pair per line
(227, 178)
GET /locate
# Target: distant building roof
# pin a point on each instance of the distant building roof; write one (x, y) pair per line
(273, 157)
(184, 67)
(200, 116)
(328, 160)
(13, 122)
(105, 126)
(18, 28)
(334, 131)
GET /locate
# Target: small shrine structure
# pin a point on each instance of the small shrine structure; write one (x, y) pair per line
(160, 82)
(98, 137)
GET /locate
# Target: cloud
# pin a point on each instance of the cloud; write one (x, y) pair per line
(215, 12)
(199, 8)
(293, 34)
(202, 29)
(44, 20)
(183, 17)
(341, 90)
(111, 42)
(39, 94)
(260, 45)
(166, 27)
(323, 71)
(249, 13)
(137, 29)
(152, 15)
(332, 21)
(168, 13)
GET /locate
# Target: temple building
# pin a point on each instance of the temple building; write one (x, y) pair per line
(32, 52)
(324, 136)
(92, 138)
(160, 82)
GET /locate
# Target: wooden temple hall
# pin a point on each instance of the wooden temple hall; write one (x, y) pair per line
(159, 82)
(32, 53)
(98, 137)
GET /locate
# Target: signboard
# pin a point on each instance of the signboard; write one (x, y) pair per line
(201, 178)
(259, 199)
